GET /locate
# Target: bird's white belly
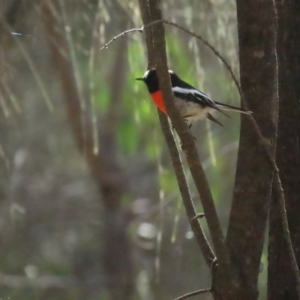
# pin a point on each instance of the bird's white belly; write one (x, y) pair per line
(192, 111)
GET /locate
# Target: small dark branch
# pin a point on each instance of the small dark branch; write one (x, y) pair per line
(195, 293)
(119, 35)
(184, 190)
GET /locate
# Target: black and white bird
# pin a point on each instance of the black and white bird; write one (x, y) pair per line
(192, 104)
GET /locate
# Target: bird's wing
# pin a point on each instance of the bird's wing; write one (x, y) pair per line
(194, 95)
(210, 117)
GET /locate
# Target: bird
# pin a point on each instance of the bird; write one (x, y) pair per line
(192, 104)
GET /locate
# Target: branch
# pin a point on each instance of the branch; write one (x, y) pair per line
(195, 293)
(177, 165)
(184, 191)
(105, 46)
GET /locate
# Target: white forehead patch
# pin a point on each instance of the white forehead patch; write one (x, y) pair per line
(148, 71)
(146, 74)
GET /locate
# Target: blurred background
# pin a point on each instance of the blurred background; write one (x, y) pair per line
(89, 205)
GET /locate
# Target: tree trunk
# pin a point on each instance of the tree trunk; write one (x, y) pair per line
(249, 212)
(281, 277)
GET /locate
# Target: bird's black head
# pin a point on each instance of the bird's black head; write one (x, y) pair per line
(151, 80)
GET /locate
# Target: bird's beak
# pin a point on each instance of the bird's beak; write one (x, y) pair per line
(140, 78)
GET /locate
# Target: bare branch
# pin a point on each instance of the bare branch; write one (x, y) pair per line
(184, 191)
(177, 165)
(195, 293)
(120, 35)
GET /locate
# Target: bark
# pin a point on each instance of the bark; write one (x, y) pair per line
(249, 212)
(281, 278)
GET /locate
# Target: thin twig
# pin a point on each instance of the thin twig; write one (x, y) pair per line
(195, 293)
(120, 35)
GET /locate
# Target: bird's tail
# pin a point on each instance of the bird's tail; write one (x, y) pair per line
(232, 108)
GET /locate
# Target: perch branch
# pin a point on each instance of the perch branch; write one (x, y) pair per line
(184, 191)
(188, 142)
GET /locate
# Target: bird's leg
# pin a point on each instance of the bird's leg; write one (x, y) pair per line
(187, 122)
(198, 216)
(189, 126)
